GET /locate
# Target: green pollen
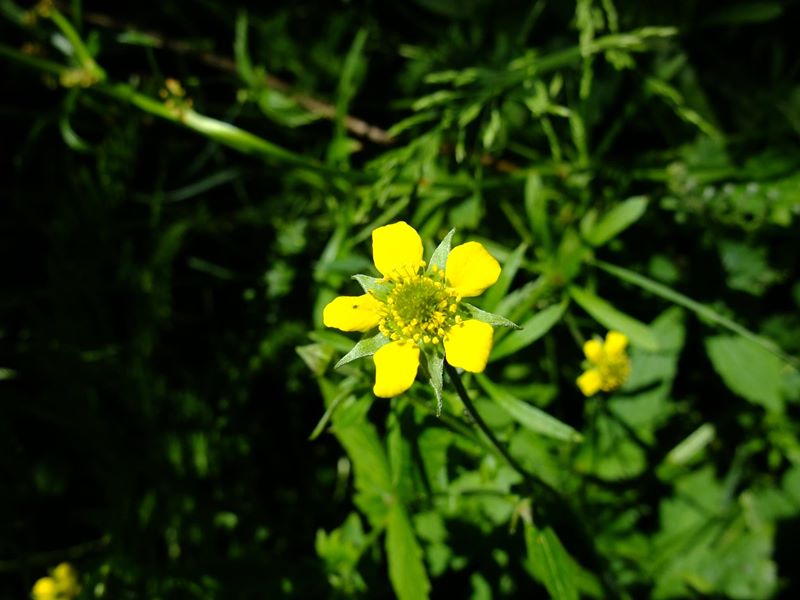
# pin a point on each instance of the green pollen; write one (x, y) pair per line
(420, 307)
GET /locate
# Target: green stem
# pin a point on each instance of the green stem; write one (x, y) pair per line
(41, 64)
(81, 52)
(552, 500)
(497, 444)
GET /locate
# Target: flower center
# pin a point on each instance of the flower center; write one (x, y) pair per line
(614, 371)
(420, 307)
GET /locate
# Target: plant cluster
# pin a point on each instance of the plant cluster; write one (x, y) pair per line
(565, 234)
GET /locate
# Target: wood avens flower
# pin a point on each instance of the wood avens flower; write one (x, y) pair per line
(62, 585)
(418, 309)
(610, 365)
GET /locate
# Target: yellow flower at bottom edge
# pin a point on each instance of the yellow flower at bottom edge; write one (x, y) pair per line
(610, 365)
(419, 308)
(45, 589)
(62, 585)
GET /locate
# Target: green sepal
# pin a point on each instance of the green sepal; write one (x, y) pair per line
(373, 285)
(435, 365)
(490, 318)
(366, 347)
(439, 256)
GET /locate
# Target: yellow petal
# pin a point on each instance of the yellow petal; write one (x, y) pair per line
(396, 367)
(471, 269)
(593, 351)
(396, 247)
(468, 344)
(590, 382)
(616, 343)
(352, 313)
(44, 589)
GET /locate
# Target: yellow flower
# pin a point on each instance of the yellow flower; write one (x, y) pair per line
(63, 585)
(45, 589)
(610, 364)
(67, 580)
(418, 307)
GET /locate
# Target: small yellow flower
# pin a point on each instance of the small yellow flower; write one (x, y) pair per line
(62, 585)
(610, 364)
(418, 308)
(45, 589)
(67, 580)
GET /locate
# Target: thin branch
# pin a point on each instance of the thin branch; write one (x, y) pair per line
(553, 500)
(326, 110)
(498, 445)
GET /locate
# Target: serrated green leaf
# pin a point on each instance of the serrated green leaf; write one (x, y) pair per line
(490, 318)
(748, 370)
(366, 347)
(604, 313)
(439, 256)
(404, 555)
(531, 330)
(617, 220)
(528, 415)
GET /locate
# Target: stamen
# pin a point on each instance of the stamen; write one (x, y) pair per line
(420, 306)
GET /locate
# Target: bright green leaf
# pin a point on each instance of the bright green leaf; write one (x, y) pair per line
(604, 313)
(527, 415)
(406, 569)
(531, 330)
(748, 370)
(617, 220)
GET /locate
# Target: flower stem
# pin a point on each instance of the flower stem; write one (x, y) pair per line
(552, 502)
(501, 449)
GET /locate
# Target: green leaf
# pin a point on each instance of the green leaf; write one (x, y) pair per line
(366, 347)
(243, 64)
(747, 370)
(372, 284)
(550, 563)
(617, 220)
(332, 406)
(531, 330)
(536, 207)
(404, 555)
(490, 318)
(510, 267)
(691, 447)
(700, 309)
(527, 415)
(604, 313)
(316, 356)
(744, 13)
(435, 372)
(439, 256)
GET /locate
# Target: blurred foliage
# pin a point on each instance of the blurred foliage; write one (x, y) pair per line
(186, 185)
